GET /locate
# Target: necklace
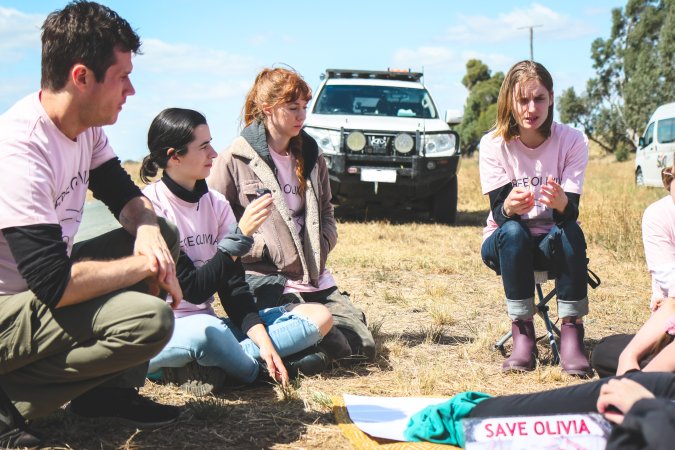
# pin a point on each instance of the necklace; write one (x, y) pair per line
(284, 153)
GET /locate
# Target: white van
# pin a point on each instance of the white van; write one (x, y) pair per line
(657, 146)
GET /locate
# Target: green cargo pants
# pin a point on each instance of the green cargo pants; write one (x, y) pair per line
(48, 357)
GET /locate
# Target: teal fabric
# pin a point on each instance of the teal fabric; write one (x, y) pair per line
(441, 423)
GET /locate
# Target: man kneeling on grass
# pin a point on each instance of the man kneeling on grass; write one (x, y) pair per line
(77, 322)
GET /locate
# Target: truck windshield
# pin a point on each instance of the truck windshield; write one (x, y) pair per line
(387, 101)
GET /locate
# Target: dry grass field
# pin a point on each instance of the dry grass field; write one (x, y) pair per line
(435, 310)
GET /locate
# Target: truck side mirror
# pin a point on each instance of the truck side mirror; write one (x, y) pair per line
(641, 142)
(453, 117)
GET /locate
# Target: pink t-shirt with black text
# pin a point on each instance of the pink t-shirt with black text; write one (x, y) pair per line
(44, 177)
(201, 225)
(563, 156)
(290, 187)
(658, 237)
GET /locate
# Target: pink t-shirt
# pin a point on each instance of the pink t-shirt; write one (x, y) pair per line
(44, 177)
(290, 187)
(563, 155)
(658, 236)
(202, 225)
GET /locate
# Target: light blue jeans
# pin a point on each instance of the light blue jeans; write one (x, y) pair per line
(214, 341)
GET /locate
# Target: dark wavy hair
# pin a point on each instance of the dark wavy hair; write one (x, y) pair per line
(86, 33)
(169, 134)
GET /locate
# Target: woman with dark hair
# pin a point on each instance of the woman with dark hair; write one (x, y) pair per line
(211, 243)
(287, 262)
(532, 169)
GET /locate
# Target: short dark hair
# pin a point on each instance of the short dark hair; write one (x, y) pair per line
(169, 134)
(83, 32)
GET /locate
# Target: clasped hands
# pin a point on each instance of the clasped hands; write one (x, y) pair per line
(521, 200)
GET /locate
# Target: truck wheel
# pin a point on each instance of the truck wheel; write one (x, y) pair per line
(639, 178)
(444, 203)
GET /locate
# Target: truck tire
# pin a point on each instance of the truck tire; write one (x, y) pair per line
(639, 178)
(444, 203)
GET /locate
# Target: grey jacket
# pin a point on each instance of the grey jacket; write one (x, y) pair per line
(246, 166)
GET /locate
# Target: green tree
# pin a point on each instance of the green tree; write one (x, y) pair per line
(635, 72)
(480, 110)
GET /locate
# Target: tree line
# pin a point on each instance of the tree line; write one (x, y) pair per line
(634, 73)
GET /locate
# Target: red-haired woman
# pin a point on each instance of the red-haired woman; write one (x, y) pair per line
(288, 260)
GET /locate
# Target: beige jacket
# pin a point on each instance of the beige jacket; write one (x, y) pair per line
(246, 166)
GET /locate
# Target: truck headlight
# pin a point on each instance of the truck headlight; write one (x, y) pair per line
(328, 140)
(356, 141)
(403, 143)
(437, 143)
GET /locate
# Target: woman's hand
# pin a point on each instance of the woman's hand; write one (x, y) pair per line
(275, 366)
(519, 201)
(622, 395)
(553, 195)
(255, 214)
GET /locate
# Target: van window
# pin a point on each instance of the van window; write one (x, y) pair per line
(649, 134)
(666, 131)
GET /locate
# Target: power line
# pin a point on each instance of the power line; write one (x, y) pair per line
(531, 28)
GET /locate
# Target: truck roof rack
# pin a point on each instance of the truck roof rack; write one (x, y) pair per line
(401, 75)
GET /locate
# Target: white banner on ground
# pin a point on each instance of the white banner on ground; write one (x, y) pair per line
(564, 431)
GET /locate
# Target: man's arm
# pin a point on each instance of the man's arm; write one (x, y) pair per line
(111, 184)
(139, 219)
(42, 260)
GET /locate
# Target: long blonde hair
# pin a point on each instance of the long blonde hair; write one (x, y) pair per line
(274, 87)
(506, 125)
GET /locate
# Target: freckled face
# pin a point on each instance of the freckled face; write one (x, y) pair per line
(287, 119)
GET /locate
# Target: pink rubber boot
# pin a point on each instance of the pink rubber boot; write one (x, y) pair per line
(572, 356)
(524, 347)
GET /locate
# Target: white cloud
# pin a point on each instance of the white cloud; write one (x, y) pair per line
(426, 56)
(18, 31)
(508, 26)
(164, 57)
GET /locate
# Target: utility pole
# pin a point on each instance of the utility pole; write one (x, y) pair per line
(531, 28)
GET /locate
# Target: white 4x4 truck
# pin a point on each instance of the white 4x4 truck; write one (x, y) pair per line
(384, 141)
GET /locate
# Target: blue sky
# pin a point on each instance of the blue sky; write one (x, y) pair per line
(204, 55)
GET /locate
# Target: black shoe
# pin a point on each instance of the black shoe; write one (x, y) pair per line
(306, 363)
(13, 428)
(19, 438)
(195, 379)
(336, 345)
(125, 404)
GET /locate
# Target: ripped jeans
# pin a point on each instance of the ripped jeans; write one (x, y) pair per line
(214, 341)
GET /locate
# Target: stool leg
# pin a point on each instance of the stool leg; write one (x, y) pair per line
(542, 310)
(500, 343)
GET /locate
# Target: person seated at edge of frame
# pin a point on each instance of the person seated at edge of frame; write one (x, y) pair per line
(532, 169)
(78, 322)
(649, 349)
(211, 246)
(640, 406)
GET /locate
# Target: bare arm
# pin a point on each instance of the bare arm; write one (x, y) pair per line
(268, 353)
(139, 219)
(648, 335)
(89, 279)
